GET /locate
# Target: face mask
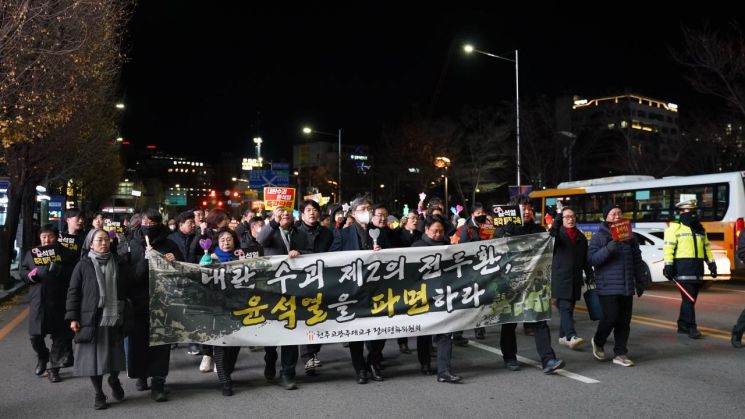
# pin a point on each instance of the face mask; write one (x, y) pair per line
(688, 217)
(172, 227)
(481, 219)
(149, 231)
(362, 216)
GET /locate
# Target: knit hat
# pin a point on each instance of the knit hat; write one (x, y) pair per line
(608, 208)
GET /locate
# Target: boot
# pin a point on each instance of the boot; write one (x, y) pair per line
(227, 388)
(737, 339)
(54, 375)
(41, 366)
(141, 384)
(158, 391)
(100, 402)
(116, 388)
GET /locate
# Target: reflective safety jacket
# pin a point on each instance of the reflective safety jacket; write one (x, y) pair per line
(686, 250)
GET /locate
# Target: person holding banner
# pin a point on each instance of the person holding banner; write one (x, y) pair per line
(47, 269)
(275, 239)
(539, 330)
(357, 237)
(143, 360)
(619, 273)
(309, 238)
(470, 232)
(569, 261)
(434, 235)
(95, 311)
(686, 250)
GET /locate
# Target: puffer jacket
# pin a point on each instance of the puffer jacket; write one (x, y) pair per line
(618, 272)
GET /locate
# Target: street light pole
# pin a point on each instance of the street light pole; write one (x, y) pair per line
(573, 138)
(307, 131)
(469, 49)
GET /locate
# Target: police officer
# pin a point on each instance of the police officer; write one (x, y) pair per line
(686, 247)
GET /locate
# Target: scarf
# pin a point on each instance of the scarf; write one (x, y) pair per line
(223, 256)
(572, 233)
(106, 277)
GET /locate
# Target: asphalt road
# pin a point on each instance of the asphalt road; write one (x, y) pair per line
(674, 376)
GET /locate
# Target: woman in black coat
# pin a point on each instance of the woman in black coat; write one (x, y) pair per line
(570, 260)
(95, 310)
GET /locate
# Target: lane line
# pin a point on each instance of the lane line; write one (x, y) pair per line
(13, 323)
(535, 364)
(669, 325)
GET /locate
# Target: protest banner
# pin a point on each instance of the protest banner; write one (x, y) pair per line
(351, 296)
(621, 230)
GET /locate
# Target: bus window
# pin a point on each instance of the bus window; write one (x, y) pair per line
(592, 208)
(705, 197)
(626, 201)
(653, 205)
(722, 201)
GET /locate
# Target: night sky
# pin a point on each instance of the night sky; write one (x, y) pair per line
(204, 78)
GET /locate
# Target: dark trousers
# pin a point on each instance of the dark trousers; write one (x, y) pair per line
(375, 351)
(225, 358)
(444, 352)
(687, 317)
(143, 360)
(508, 341)
(289, 358)
(566, 313)
(356, 350)
(617, 319)
(59, 348)
(424, 349)
(310, 350)
(740, 325)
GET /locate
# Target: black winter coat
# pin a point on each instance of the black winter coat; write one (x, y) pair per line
(187, 245)
(316, 239)
(138, 289)
(569, 260)
(512, 229)
(48, 291)
(82, 297)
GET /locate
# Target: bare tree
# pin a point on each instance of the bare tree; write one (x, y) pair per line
(56, 56)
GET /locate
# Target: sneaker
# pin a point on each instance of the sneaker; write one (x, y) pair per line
(310, 366)
(563, 342)
(287, 382)
(597, 350)
(448, 377)
(207, 365)
(316, 362)
(193, 349)
(575, 342)
(623, 360)
(512, 365)
(552, 365)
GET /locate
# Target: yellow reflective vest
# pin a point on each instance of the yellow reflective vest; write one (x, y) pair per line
(686, 250)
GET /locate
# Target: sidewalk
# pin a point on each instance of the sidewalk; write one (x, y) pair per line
(6, 294)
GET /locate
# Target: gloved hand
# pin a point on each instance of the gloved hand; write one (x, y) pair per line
(669, 272)
(32, 275)
(639, 289)
(713, 269)
(613, 245)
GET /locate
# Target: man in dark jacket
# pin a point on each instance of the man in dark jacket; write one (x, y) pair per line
(248, 236)
(143, 360)
(185, 238)
(47, 270)
(357, 237)
(618, 275)
(275, 238)
(540, 330)
(470, 233)
(309, 238)
(569, 261)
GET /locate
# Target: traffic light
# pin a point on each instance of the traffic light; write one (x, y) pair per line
(219, 203)
(204, 203)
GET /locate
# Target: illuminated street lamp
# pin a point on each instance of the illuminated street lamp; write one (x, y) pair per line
(444, 163)
(469, 49)
(119, 106)
(308, 131)
(258, 141)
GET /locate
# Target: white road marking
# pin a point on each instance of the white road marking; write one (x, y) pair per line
(648, 294)
(535, 364)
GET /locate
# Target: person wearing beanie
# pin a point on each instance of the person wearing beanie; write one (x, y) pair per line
(619, 273)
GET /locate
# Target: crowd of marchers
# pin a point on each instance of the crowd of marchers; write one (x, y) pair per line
(91, 296)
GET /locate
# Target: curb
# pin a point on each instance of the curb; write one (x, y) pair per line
(15, 289)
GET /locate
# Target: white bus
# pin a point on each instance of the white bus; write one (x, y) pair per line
(650, 203)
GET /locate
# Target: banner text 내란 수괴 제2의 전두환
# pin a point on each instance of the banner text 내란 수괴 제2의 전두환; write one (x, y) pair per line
(351, 296)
